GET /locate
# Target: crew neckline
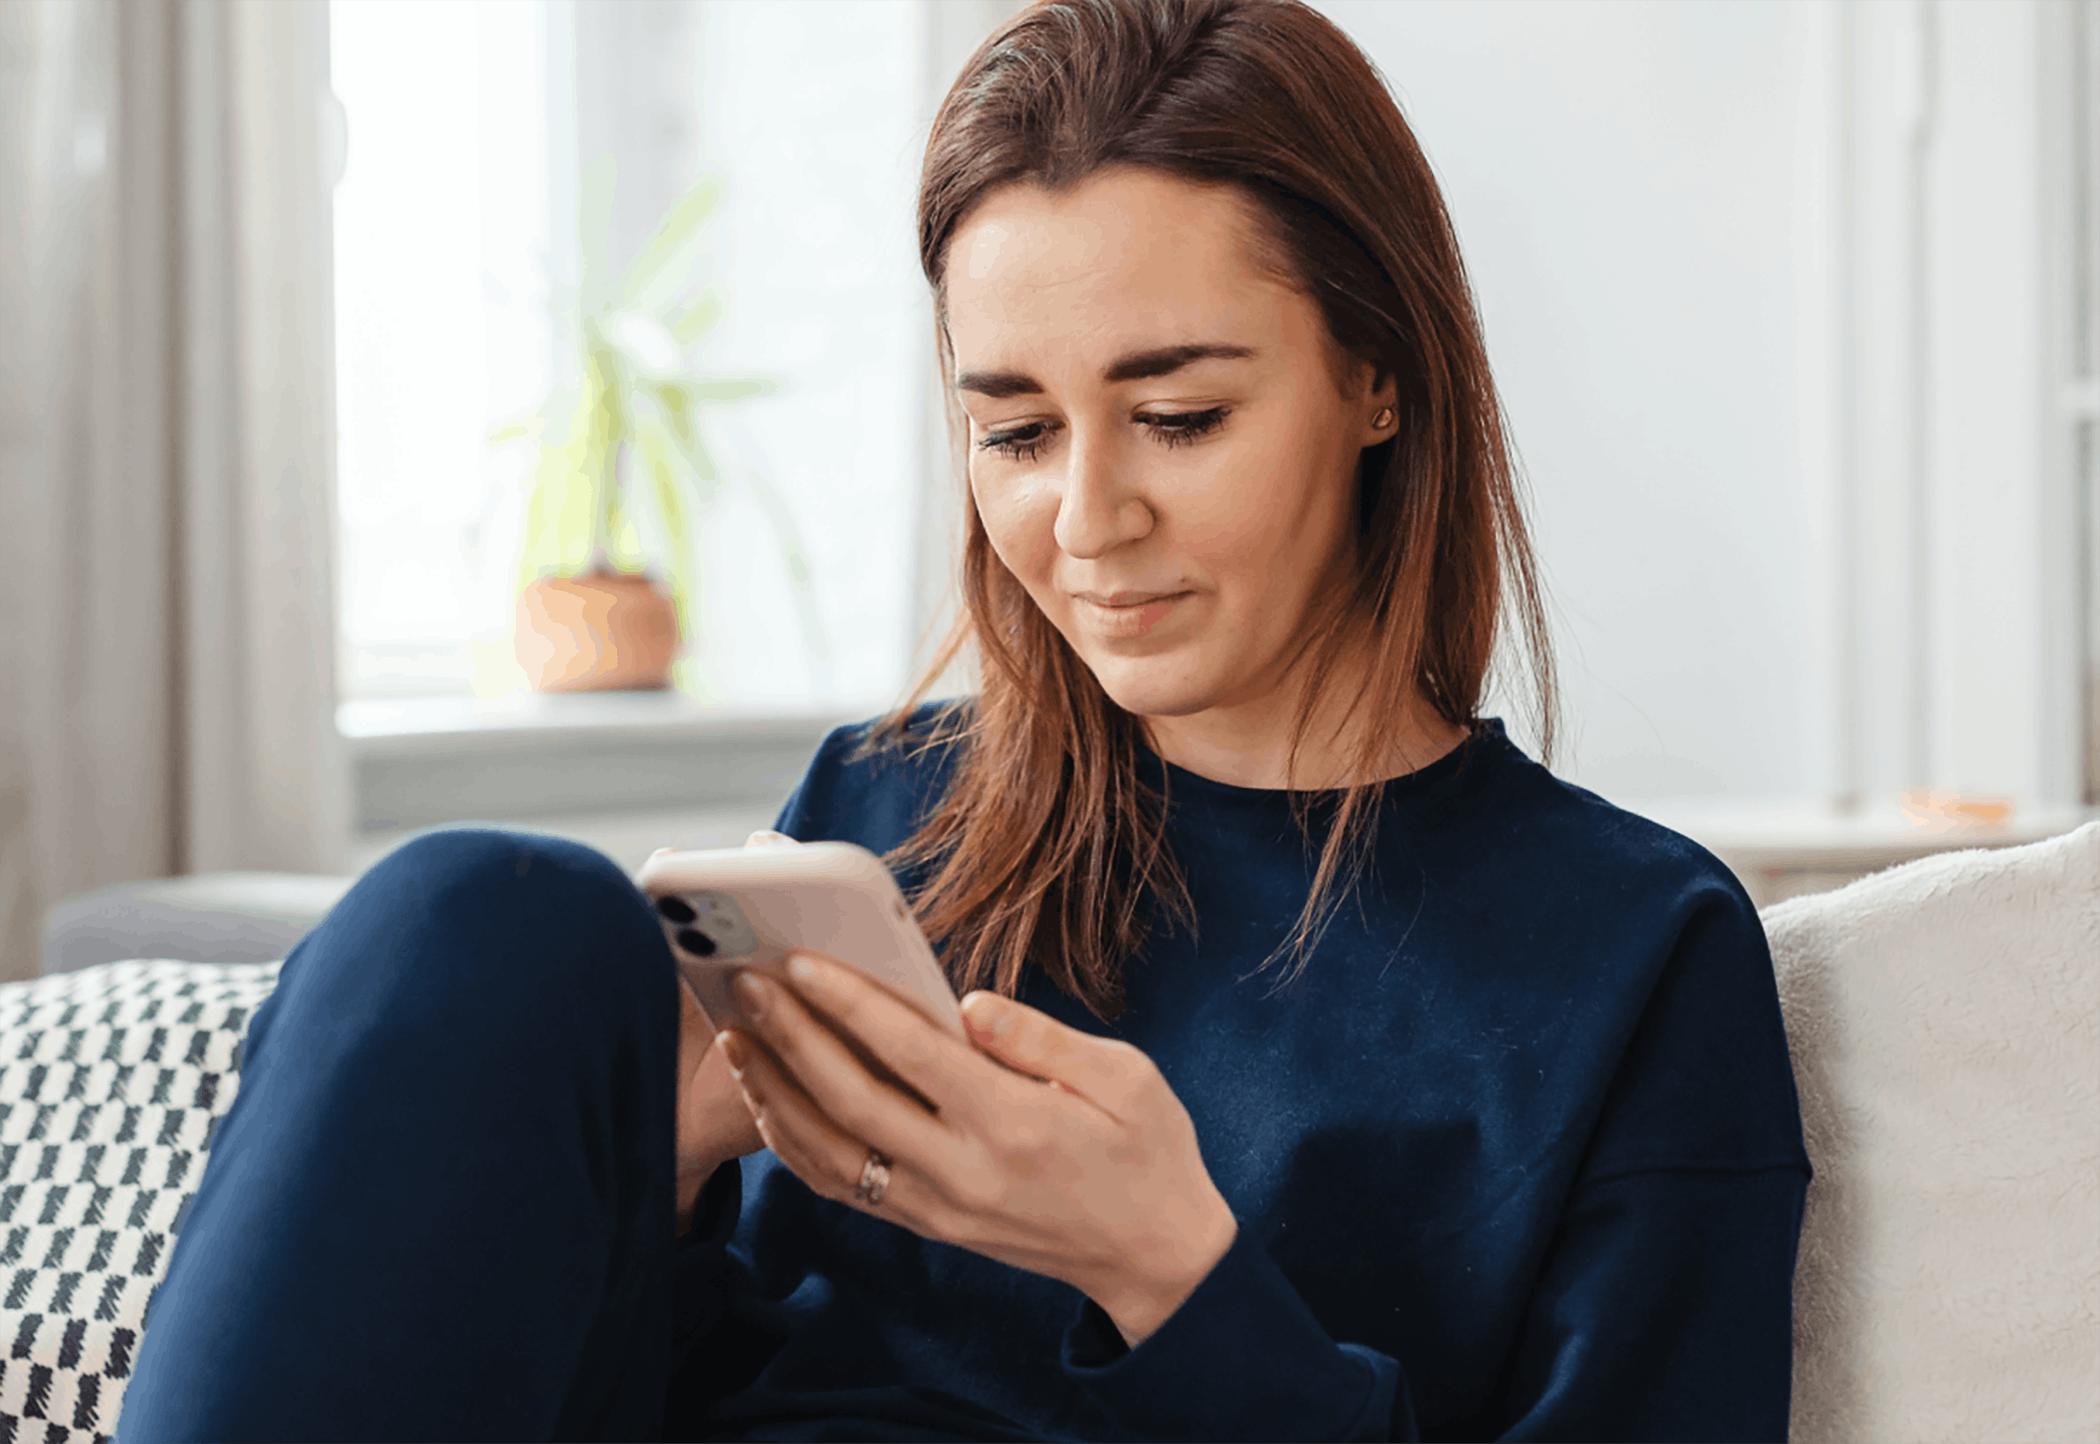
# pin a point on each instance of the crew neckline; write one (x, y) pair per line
(1486, 737)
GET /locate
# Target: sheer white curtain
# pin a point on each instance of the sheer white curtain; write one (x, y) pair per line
(166, 447)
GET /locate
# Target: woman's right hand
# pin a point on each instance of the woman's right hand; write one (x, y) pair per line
(714, 1125)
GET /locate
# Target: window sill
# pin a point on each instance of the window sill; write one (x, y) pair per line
(416, 723)
(1780, 849)
(624, 768)
(426, 761)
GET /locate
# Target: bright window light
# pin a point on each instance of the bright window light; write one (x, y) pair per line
(456, 246)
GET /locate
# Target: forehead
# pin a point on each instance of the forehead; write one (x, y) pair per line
(1126, 255)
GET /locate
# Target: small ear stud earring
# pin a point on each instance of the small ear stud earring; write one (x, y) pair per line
(1384, 418)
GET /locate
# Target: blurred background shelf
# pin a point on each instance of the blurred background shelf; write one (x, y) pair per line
(1783, 849)
(626, 772)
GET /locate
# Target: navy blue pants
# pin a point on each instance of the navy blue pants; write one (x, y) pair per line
(441, 1206)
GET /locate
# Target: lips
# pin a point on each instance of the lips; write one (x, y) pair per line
(1124, 615)
(1123, 599)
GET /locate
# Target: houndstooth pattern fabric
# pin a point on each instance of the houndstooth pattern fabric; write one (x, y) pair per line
(112, 1082)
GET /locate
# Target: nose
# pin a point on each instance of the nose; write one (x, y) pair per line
(1099, 510)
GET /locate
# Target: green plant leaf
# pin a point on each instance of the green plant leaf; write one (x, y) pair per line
(669, 243)
(726, 388)
(697, 318)
(674, 411)
(672, 484)
(611, 424)
(559, 511)
(707, 477)
(623, 548)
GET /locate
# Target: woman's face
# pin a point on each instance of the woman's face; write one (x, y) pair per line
(1159, 447)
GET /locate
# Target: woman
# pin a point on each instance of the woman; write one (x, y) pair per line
(1334, 1071)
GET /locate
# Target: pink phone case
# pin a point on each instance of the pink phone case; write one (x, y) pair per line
(727, 908)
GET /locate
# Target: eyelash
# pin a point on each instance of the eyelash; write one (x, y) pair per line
(1175, 428)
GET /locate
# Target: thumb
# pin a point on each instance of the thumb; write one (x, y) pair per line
(1110, 1074)
(766, 837)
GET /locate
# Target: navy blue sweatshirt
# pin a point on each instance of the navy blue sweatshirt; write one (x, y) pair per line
(1519, 1156)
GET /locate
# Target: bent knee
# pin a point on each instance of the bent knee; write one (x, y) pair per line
(483, 856)
(482, 907)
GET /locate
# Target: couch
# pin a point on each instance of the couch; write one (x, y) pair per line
(1944, 1019)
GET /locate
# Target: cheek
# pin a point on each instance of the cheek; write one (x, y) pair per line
(1234, 529)
(1267, 520)
(1020, 521)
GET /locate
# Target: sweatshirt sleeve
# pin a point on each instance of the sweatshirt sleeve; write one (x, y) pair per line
(1663, 1306)
(700, 1262)
(703, 1283)
(1242, 1358)
(1665, 1312)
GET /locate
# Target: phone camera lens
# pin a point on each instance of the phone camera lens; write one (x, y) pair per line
(675, 908)
(699, 944)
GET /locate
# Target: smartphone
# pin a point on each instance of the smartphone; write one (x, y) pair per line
(728, 908)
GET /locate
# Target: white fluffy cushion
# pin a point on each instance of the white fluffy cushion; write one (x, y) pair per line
(1944, 1019)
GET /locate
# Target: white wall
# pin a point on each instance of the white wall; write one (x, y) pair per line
(1763, 285)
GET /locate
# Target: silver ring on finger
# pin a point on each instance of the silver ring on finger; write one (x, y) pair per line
(874, 1179)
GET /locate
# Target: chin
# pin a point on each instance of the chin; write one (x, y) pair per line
(1150, 686)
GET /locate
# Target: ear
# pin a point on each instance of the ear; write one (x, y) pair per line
(1368, 387)
(1381, 394)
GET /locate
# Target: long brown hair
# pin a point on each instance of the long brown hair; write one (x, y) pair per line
(1048, 847)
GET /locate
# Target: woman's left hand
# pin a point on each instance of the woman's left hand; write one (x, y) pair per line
(1081, 1165)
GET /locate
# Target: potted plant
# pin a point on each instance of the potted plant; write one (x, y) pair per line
(599, 607)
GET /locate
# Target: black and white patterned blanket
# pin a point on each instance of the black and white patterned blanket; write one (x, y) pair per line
(112, 1082)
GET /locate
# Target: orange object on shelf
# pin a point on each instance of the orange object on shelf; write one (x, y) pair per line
(603, 632)
(1940, 812)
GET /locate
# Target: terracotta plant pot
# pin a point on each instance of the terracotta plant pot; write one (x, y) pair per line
(598, 633)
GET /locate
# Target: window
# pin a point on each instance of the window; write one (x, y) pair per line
(2080, 409)
(457, 261)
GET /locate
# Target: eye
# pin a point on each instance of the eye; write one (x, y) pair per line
(1181, 428)
(1175, 428)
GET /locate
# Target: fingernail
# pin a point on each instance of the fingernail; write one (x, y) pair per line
(731, 1050)
(801, 969)
(751, 992)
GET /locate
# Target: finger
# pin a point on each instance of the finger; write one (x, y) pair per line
(899, 1034)
(767, 837)
(812, 1146)
(859, 1049)
(799, 1135)
(1112, 1075)
(695, 1029)
(836, 1082)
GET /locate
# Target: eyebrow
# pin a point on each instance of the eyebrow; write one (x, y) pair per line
(1136, 366)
